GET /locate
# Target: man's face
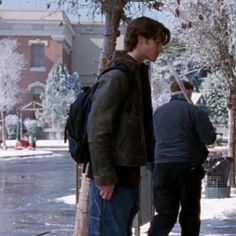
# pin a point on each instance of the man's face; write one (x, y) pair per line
(151, 48)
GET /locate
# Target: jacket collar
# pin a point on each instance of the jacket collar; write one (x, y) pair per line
(179, 97)
(121, 57)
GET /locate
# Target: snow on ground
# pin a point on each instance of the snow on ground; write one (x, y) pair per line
(43, 148)
(70, 199)
(42, 143)
(23, 153)
(222, 208)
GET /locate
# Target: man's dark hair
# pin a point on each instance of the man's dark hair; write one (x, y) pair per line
(146, 27)
(174, 87)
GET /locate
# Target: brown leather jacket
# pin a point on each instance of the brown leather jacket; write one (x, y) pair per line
(118, 137)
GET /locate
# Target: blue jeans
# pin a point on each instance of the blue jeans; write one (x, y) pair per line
(113, 217)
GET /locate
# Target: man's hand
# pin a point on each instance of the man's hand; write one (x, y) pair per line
(106, 191)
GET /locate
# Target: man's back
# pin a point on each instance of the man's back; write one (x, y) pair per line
(181, 129)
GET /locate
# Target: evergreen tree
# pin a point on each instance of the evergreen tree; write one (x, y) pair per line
(60, 91)
(214, 89)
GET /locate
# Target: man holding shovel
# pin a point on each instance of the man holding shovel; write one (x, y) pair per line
(181, 131)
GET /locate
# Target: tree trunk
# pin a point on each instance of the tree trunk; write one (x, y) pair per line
(232, 144)
(3, 130)
(113, 10)
(81, 219)
(232, 133)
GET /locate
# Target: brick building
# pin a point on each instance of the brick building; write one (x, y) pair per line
(45, 38)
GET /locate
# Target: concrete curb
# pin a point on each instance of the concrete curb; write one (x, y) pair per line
(23, 153)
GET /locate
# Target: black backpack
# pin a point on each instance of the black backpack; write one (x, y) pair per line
(76, 124)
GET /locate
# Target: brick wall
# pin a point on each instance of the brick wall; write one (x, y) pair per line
(54, 52)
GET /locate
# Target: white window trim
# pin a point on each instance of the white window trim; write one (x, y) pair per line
(38, 41)
(38, 69)
(36, 84)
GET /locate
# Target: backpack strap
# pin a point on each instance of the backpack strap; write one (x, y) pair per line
(118, 66)
(129, 75)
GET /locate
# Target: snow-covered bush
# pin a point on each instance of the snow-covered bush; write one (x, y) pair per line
(12, 124)
(33, 127)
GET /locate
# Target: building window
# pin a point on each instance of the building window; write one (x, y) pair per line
(37, 55)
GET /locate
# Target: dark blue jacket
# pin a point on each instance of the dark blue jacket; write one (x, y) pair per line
(181, 131)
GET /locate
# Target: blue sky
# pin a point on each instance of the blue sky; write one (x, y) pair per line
(23, 4)
(35, 5)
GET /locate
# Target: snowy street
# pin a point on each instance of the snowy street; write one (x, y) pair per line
(29, 188)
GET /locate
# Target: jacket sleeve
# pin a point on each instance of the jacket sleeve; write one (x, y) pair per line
(107, 100)
(204, 128)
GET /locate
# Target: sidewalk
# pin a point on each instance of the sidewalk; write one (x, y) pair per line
(218, 216)
(42, 144)
(23, 153)
(43, 147)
